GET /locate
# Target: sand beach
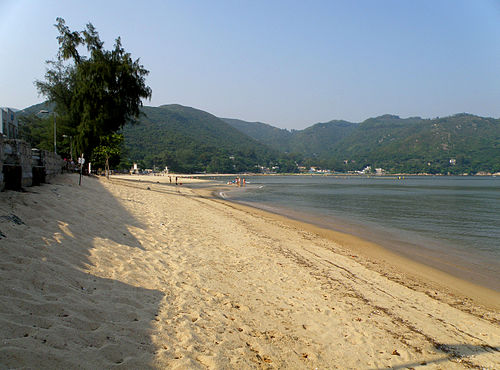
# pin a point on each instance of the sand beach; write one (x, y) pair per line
(135, 272)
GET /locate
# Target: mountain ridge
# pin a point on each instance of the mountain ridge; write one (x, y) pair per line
(187, 139)
(460, 143)
(191, 140)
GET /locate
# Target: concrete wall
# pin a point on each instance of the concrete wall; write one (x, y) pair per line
(18, 164)
(17, 153)
(52, 162)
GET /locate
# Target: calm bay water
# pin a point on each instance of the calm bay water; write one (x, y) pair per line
(452, 223)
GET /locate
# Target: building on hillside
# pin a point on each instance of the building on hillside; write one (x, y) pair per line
(8, 123)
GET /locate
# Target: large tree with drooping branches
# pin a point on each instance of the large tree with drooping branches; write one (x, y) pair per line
(94, 93)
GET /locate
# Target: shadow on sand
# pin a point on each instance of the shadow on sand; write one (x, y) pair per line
(453, 352)
(53, 312)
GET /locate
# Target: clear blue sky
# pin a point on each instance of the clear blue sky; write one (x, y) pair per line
(287, 63)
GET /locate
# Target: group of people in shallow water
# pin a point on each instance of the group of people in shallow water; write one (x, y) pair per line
(237, 181)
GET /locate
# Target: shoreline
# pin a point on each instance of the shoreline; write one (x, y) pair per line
(339, 174)
(402, 268)
(145, 274)
(398, 266)
(456, 265)
(416, 275)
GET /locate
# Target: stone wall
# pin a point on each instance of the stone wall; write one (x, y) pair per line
(52, 163)
(17, 159)
(20, 166)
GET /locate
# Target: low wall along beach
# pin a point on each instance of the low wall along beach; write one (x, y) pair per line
(22, 166)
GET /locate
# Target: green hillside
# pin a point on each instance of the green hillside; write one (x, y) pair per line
(319, 140)
(190, 140)
(462, 143)
(35, 109)
(316, 140)
(374, 141)
(262, 132)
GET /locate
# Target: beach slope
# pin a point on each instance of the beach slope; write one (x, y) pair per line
(144, 274)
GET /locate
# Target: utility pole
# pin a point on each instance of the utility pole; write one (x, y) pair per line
(55, 140)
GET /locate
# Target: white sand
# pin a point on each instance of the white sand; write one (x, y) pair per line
(112, 274)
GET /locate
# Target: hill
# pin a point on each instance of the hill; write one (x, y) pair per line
(190, 140)
(34, 109)
(319, 140)
(313, 141)
(462, 143)
(264, 133)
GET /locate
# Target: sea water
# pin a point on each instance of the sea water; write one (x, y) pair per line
(452, 223)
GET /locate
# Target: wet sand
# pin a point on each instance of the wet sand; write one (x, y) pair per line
(143, 274)
(377, 243)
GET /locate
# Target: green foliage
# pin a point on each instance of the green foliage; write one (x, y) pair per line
(38, 132)
(287, 165)
(412, 145)
(428, 146)
(264, 133)
(94, 95)
(189, 140)
(110, 148)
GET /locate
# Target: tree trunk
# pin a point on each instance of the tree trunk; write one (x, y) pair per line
(106, 167)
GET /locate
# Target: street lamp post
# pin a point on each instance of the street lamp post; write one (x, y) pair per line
(55, 130)
(55, 140)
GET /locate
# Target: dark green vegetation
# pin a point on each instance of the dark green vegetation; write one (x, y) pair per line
(190, 140)
(262, 132)
(95, 95)
(412, 145)
(37, 128)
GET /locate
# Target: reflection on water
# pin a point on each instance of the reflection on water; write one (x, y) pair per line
(456, 219)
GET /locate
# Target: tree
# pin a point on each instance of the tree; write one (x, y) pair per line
(38, 132)
(94, 95)
(107, 153)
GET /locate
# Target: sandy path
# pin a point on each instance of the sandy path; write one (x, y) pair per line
(112, 274)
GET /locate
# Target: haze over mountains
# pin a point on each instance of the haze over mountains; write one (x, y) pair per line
(190, 140)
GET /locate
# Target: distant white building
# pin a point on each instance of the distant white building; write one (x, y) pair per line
(8, 123)
(367, 169)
